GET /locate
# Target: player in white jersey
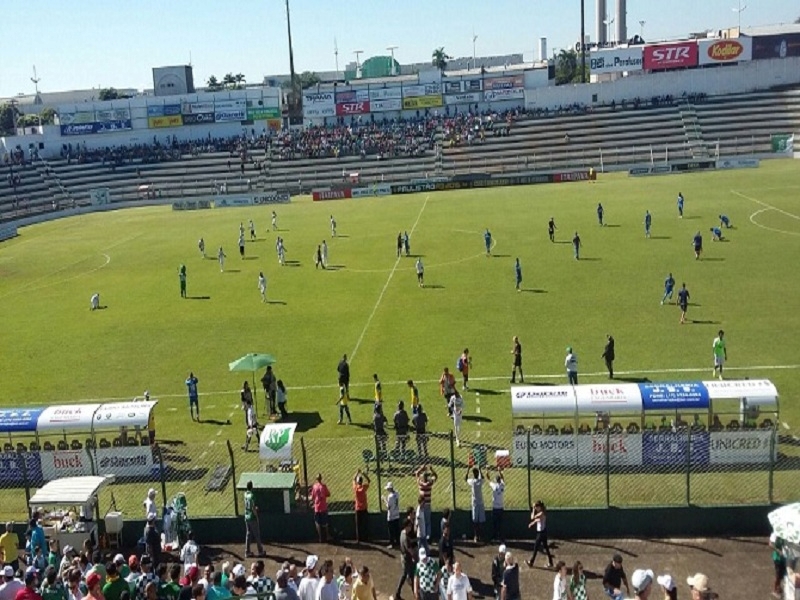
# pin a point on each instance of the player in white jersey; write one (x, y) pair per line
(202, 246)
(333, 227)
(252, 426)
(95, 301)
(262, 286)
(221, 259)
(324, 254)
(457, 410)
(252, 230)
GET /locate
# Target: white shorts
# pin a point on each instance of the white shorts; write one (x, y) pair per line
(719, 361)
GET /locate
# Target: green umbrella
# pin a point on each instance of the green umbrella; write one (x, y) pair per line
(252, 362)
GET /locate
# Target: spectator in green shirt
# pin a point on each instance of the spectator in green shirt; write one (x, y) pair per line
(122, 566)
(170, 589)
(115, 584)
(52, 589)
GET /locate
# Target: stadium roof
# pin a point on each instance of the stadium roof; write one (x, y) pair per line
(771, 29)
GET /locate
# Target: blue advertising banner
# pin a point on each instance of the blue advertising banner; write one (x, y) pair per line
(92, 128)
(11, 470)
(172, 109)
(155, 111)
(669, 449)
(673, 396)
(19, 419)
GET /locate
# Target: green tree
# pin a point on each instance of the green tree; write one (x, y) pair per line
(108, 94)
(27, 120)
(239, 80)
(8, 118)
(229, 81)
(568, 67)
(439, 59)
(308, 79)
(213, 85)
(48, 116)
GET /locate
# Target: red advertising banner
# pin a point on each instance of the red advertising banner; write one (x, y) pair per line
(331, 194)
(352, 108)
(671, 56)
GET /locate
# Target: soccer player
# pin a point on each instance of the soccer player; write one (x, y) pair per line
(571, 364)
(724, 221)
(378, 390)
(333, 227)
(406, 243)
(551, 229)
(464, 364)
(414, 392)
(324, 254)
(274, 220)
(262, 286)
(221, 259)
(94, 302)
(716, 234)
(420, 272)
(241, 229)
(194, 404)
(202, 247)
(683, 301)
(576, 246)
(399, 244)
(609, 355)
(252, 425)
(720, 353)
(516, 350)
(241, 245)
(281, 252)
(344, 409)
(600, 213)
(518, 275)
(669, 286)
(456, 408)
(487, 239)
(680, 205)
(697, 243)
(648, 220)
(252, 230)
(182, 279)
(318, 258)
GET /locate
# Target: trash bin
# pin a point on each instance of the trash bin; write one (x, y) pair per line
(273, 492)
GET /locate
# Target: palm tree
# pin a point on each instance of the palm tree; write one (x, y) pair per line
(439, 59)
(229, 81)
(566, 66)
(213, 84)
(240, 80)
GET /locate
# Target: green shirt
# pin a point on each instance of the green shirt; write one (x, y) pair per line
(124, 571)
(54, 592)
(249, 506)
(777, 548)
(169, 591)
(115, 587)
(719, 347)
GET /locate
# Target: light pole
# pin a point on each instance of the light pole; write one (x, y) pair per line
(336, 55)
(391, 49)
(641, 28)
(583, 42)
(474, 39)
(358, 64)
(740, 10)
(608, 23)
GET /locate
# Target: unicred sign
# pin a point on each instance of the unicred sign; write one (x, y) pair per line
(671, 56)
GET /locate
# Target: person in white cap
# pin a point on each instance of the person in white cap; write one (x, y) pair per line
(700, 588)
(498, 567)
(308, 586)
(510, 582)
(150, 508)
(11, 585)
(393, 515)
(642, 583)
(426, 577)
(668, 585)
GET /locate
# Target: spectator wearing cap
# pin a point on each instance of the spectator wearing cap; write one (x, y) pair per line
(307, 590)
(170, 587)
(188, 583)
(150, 508)
(94, 586)
(668, 585)
(115, 584)
(147, 576)
(135, 573)
(613, 578)
(259, 580)
(189, 552)
(152, 541)
(67, 557)
(392, 515)
(327, 589)
(426, 577)
(498, 567)
(9, 546)
(284, 591)
(363, 588)
(700, 588)
(217, 591)
(510, 584)
(642, 582)
(122, 567)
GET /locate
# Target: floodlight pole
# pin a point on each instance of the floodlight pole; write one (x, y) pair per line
(583, 41)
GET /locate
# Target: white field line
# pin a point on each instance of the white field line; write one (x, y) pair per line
(369, 384)
(773, 229)
(765, 205)
(386, 286)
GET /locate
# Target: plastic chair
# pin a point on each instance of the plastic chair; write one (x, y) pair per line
(76, 445)
(62, 445)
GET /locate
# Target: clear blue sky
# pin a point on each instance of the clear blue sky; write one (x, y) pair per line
(103, 43)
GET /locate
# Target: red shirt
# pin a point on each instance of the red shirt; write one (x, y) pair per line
(27, 593)
(361, 495)
(319, 494)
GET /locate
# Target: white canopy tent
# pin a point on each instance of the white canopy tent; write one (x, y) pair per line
(70, 491)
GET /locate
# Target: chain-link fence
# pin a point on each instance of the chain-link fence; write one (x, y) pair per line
(564, 468)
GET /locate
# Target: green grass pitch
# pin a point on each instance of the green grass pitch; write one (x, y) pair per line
(55, 350)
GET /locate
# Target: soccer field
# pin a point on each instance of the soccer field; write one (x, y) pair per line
(368, 304)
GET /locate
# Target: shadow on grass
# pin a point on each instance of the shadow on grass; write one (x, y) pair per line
(500, 256)
(306, 421)
(341, 235)
(250, 258)
(610, 225)
(632, 379)
(292, 263)
(533, 291)
(477, 418)
(216, 422)
(485, 392)
(276, 302)
(232, 271)
(562, 242)
(713, 259)
(198, 297)
(660, 237)
(591, 258)
(434, 286)
(702, 322)
(334, 267)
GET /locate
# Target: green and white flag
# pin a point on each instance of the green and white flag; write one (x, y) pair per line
(276, 441)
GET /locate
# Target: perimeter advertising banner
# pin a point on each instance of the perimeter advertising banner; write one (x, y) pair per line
(319, 104)
(262, 113)
(385, 105)
(776, 46)
(77, 118)
(428, 89)
(198, 118)
(352, 96)
(615, 60)
(497, 95)
(679, 55)
(390, 93)
(165, 121)
(417, 102)
(465, 98)
(504, 83)
(729, 51)
(352, 108)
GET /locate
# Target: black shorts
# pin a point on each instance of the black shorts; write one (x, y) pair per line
(684, 306)
(517, 361)
(321, 518)
(698, 248)
(780, 568)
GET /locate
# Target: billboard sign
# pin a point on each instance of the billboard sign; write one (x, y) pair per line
(504, 83)
(79, 129)
(608, 396)
(19, 419)
(384, 105)
(741, 447)
(615, 60)
(473, 85)
(545, 451)
(776, 46)
(262, 113)
(65, 463)
(671, 56)
(226, 105)
(673, 396)
(198, 118)
(352, 108)
(230, 114)
(728, 51)
(165, 121)
(114, 114)
(497, 95)
(465, 98)
(422, 102)
(190, 108)
(319, 104)
(13, 471)
(428, 89)
(352, 96)
(127, 461)
(109, 126)
(59, 418)
(389, 93)
(452, 87)
(623, 449)
(670, 448)
(77, 118)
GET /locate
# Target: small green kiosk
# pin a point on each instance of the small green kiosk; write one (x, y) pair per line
(274, 487)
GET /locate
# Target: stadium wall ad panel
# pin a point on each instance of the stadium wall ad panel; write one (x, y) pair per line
(738, 163)
(390, 93)
(7, 232)
(329, 194)
(716, 52)
(504, 83)
(386, 105)
(440, 186)
(428, 89)
(251, 199)
(191, 205)
(261, 113)
(776, 46)
(465, 98)
(504, 94)
(352, 96)
(616, 60)
(198, 118)
(680, 55)
(352, 108)
(422, 102)
(77, 118)
(320, 104)
(165, 121)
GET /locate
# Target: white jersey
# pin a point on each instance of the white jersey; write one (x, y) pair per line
(457, 406)
(95, 301)
(571, 363)
(252, 421)
(262, 283)
(419, 267)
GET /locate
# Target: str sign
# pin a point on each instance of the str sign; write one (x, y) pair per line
(670, 56)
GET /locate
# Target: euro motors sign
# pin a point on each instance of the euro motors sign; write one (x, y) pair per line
(713, 52)
(670, 56)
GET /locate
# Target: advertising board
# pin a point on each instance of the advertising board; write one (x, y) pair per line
(311, 112)
(727, 51)
(190, 108)
(472, 85)
(498, 95)
(79, 129)
(389, 93)
(465, 98)
(413, 188)
(615, 60)
(127, 461)
(452, 87)
(741, 447)
(624, 450)
(272, 198)
(226, 105)
(165, 121)
(352, 96)
(198, 118)
(669, 449)
(535, 399)
(13, 471)
(352, 108)
(318, 99)
(385, 105)
(776, 46)
(738, 163)
(228, 201)
(503, 83)
(109, 126)
(230, 114)
(76, 118)
(545, 451)
(673, 396)
(262, 113)
(329, 194)
(428, 89)
(19, 419)
(608, 397)
(376, 189)
(421, 102)
(743, 388)
(114, 114)
(65, 463)
(60, 418)
(671, 56)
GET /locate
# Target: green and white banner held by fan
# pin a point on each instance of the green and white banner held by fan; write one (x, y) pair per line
(276, 441)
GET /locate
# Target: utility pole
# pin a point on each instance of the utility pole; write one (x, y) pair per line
(583, 41)
(474, 57)
(336, 55)
(641, 28)
(391, 49)
(358, 53)
(740, 10)
(35, 79)
(295, 107)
